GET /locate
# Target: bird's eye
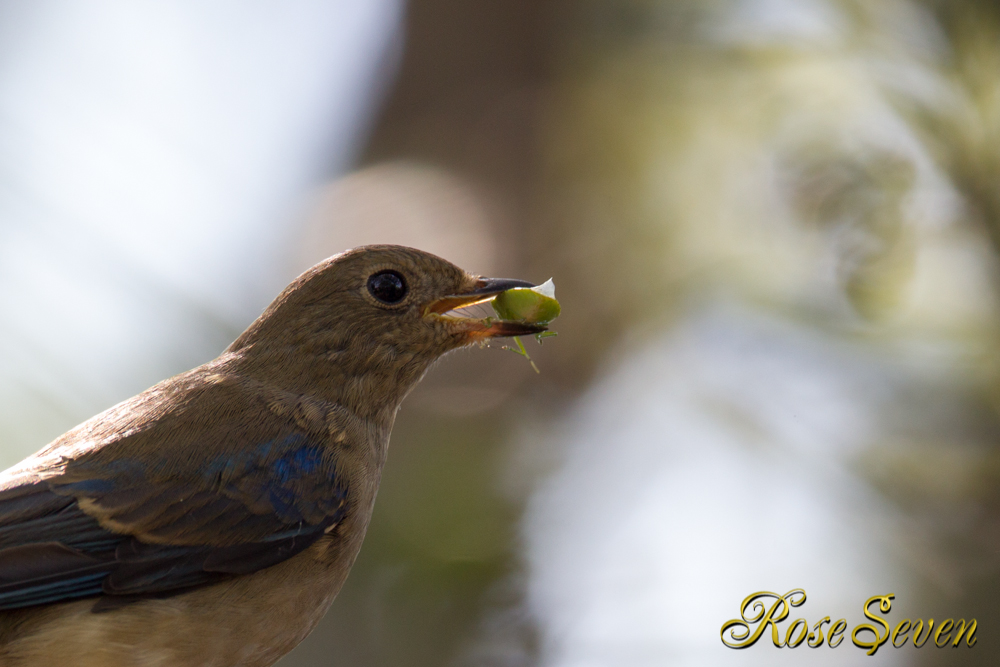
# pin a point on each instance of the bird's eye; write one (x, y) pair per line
(387, 286)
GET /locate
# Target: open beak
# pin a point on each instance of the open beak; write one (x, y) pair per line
(484, 290)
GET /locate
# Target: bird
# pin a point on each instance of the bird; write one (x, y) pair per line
(212, 519)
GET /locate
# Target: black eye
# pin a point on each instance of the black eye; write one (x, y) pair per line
(387, 286)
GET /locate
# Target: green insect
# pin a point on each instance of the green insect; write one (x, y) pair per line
(536, 305)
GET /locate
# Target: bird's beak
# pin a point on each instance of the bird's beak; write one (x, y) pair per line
(484, 290)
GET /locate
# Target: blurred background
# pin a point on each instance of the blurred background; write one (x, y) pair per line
(774, 229)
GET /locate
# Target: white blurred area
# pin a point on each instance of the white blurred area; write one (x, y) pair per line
(712, 464)
(407, 204)
(154, 158)
(720, 454)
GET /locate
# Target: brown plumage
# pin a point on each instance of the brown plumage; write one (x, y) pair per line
(212, 519)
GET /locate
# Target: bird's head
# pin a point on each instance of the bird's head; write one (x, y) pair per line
(377, 314)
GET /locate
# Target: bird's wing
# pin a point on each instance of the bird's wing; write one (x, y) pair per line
(190, 500)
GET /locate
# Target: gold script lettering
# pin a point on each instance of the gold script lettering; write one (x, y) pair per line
(884, 604)
(917, 627)
(901, 631)
(753, 610)
(835, 632)
(816, 636)
(944, 627)
(960, 629)
(794, 643)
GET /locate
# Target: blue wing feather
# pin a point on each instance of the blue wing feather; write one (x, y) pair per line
(246, 512)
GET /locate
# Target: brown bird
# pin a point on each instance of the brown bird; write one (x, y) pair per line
(213, 518)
